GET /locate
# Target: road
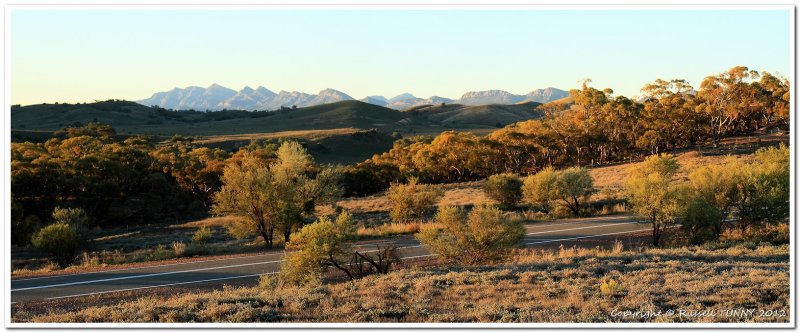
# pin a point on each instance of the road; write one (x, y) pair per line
(567, 232)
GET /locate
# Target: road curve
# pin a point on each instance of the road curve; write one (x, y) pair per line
(565, 232)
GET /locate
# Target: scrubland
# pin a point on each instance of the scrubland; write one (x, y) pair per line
(695, 284)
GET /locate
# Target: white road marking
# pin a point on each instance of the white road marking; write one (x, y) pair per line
(145, 275)
(277, 261)
(589, 227)
(190, 282)
(142, 267)
(595, 220)
(582, 237)
(161, 285)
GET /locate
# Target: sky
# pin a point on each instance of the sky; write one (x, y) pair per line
(86, 55)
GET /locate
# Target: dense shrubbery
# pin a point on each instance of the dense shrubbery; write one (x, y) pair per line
(411, 201)
(483, 235)
(505, 188)
(568, 189)
(327, 244)
(62, 239)
(751, 197)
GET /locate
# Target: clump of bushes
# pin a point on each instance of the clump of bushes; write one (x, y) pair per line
(62, 239)
(483, 235)
(504, 188)
(411, 201)
(565, 190)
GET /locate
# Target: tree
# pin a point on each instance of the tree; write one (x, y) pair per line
(540, 189)
(727, 98)
(574, 186)
(411, 201)
(248, 193)
(327, 243)
(652, 192)
(274, 197)
(484, 235)
(504, 188)
(62, 239)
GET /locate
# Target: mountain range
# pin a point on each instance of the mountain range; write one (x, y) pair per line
(217, 97)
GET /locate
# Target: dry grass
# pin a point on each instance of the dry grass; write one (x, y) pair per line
(540, 286)
(393, 229)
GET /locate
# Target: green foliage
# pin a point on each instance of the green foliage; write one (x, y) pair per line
(62, 239)
(411, 201)
(653, 194)
(764, 190)
(315, 247)
(484, 235)
(702, 221)
(504, 188)
(540, 189)
(274, 197)
(574, 186)
(718, 185)
(202, 235)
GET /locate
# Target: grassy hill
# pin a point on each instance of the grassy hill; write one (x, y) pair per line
(131, 118)
(341, 132)
(477, 116)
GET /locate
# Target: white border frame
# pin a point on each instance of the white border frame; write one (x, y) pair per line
(6, 169)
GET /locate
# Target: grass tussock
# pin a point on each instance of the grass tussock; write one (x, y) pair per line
(565, 285)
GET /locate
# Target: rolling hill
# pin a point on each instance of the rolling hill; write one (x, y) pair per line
(458, 115)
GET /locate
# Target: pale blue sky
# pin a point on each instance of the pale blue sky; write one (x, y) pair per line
(83, 55)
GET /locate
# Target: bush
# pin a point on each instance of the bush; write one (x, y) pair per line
(62, 239)
(504, 188)
(59, 240)
(483, 235)
(540, 189)
(202, 235)
(574, 186)
(700, 223)
(411, 201)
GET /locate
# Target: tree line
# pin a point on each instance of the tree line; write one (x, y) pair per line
(598, 128)
(128, 180)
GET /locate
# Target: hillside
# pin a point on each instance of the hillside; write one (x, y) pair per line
(132, 118)
(458, 115)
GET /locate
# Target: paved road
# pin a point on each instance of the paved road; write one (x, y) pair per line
(566, 232)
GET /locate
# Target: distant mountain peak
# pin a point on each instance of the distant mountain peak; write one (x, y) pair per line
(217, 97)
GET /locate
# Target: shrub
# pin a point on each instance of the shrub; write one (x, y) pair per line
(610, 287)
(701, 221)
(574, 186)
(763, 196)
(411, 201)
(315, 247)
(653, 194)
(483, 235)
(540, 189)
(59, 240)
(202, 235)
(504, 188)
